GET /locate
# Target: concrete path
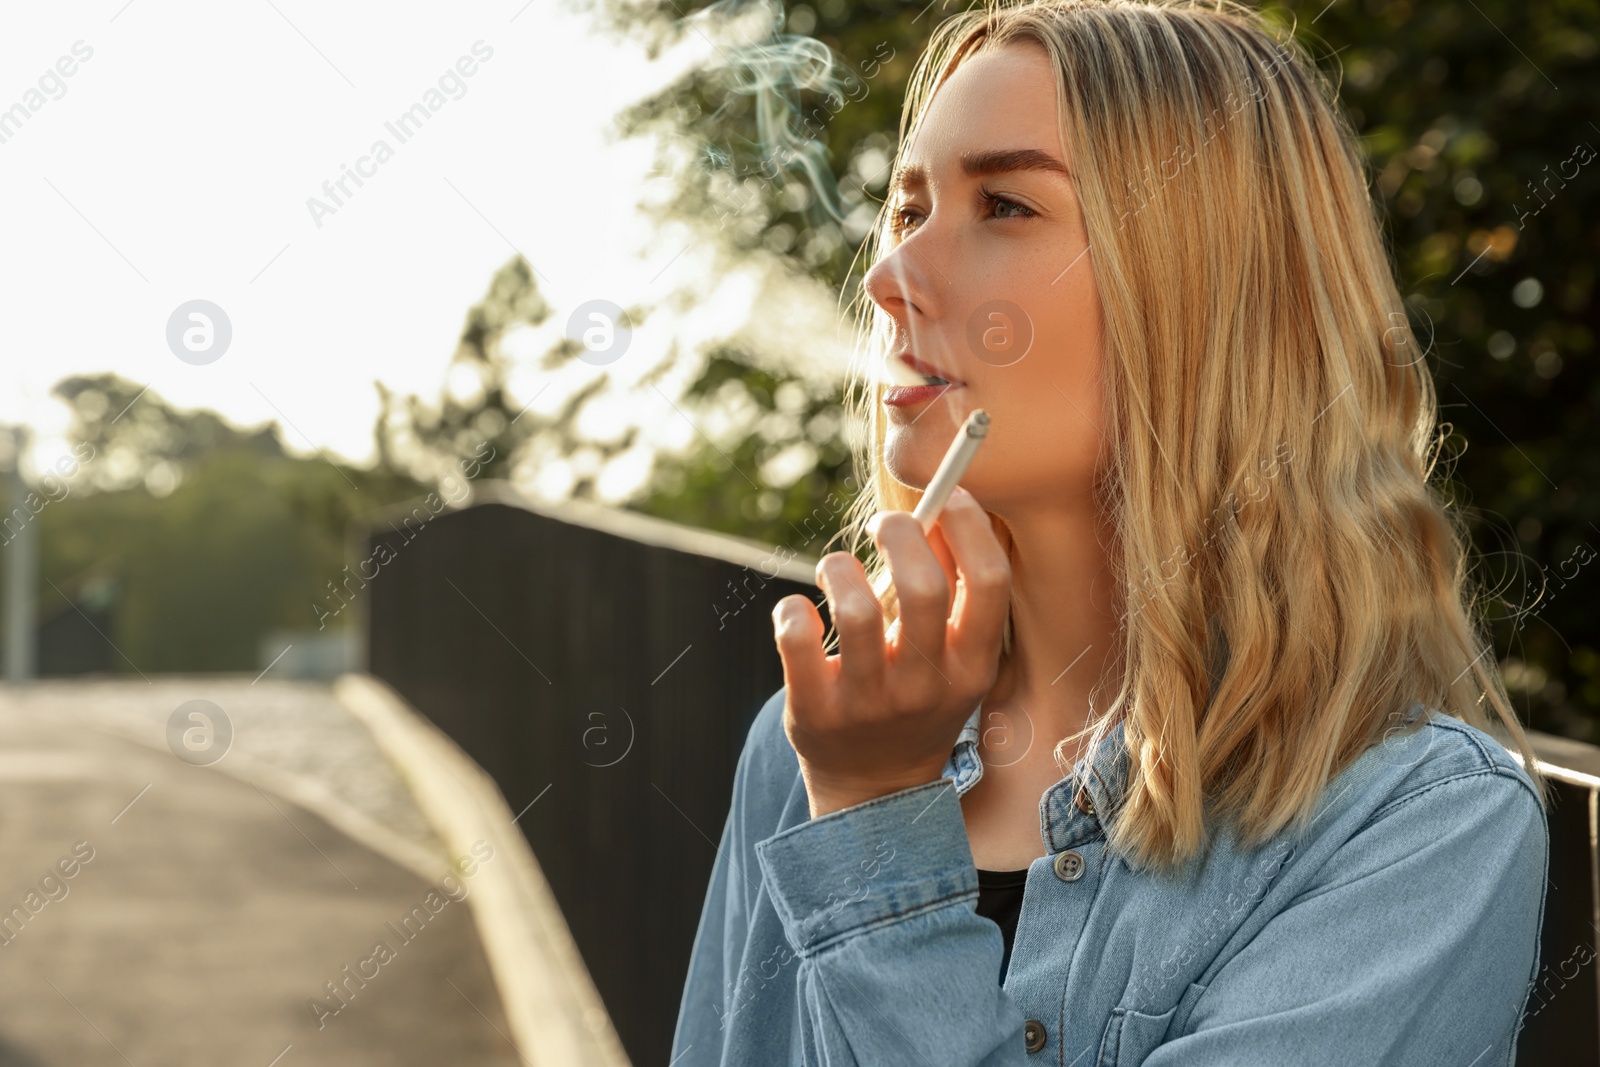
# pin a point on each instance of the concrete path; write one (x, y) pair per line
(154, 912)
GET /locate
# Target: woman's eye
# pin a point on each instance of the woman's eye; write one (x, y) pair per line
(992, 201)
(901, 220)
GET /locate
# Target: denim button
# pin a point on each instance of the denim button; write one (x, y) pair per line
(1069, 866)
(1033, 1035)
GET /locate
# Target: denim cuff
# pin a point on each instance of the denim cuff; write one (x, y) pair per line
(877, 862)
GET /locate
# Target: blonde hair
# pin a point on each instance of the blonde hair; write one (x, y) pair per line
(1266, 642)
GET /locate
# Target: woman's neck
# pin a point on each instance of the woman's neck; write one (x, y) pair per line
(1065, 639)
(1064, 643)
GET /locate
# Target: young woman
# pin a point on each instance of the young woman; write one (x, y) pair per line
(1194, 662)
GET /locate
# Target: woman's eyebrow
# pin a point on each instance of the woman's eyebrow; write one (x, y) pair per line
(975, 164)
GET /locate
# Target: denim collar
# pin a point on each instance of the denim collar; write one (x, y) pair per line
(1103, 776)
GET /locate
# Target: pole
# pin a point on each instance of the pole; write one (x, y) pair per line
(21, 550)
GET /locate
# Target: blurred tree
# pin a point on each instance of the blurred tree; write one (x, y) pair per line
(795, 457)
(138, 440)
(475, 408)
(789, 458)
(479, 407)
(790, 134)
(210, 536)
(1476, 119)
(783, 141)
(791, 125)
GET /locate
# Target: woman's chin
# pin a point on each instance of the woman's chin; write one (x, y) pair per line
(911, 455)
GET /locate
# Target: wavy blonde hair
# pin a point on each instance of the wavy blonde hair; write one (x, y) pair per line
(1268, 641)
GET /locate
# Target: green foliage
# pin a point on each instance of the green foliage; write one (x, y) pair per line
(797, 431)
(1468, 113)
(241, 540)
(791, 134)
(426, 439)
(457, 429)
(791, 131)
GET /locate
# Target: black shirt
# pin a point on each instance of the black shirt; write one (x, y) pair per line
(1000, 901)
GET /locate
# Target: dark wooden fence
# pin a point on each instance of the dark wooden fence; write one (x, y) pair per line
(604, 668)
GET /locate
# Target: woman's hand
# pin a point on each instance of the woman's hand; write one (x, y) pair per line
(884, 713)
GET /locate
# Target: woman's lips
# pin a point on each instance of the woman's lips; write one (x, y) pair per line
(926, 369)
(897, 396)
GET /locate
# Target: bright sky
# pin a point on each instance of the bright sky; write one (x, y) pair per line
(176, 161)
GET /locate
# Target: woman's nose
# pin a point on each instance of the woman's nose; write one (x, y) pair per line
(900, 281)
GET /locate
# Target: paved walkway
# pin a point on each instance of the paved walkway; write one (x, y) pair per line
(153, 912)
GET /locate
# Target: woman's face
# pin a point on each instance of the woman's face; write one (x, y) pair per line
(990, 285)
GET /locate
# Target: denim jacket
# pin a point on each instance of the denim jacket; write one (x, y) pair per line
(1401, 928)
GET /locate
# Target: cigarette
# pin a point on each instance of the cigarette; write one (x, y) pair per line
(952, 468)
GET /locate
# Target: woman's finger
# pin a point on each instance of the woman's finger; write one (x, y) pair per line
(858, 617)
(921, 586)
(941, 549)
(797, 631)
(984, 597)
(947, 560)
